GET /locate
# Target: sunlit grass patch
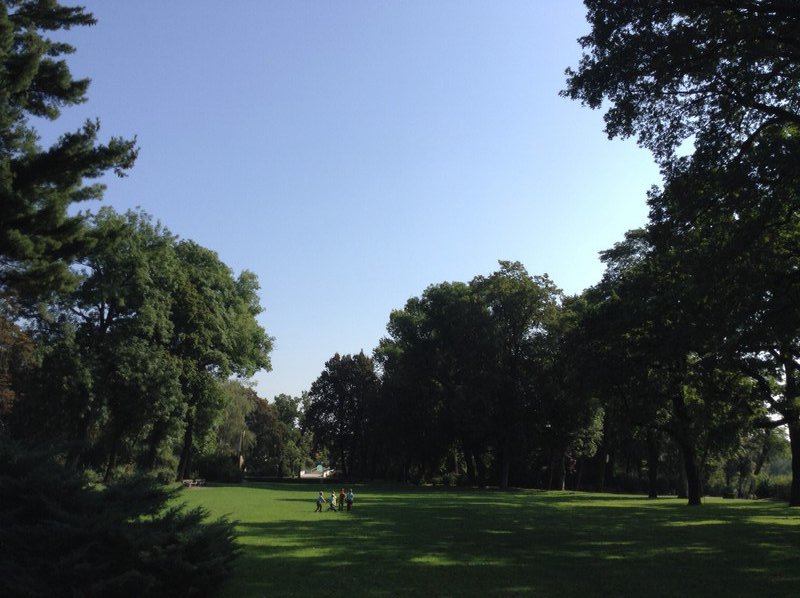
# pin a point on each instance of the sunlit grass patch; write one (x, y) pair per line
(696, 522)
(459, 542)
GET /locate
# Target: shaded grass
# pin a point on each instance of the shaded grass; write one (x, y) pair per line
(454, 542)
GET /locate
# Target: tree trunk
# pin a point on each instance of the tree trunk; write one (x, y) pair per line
(603, 464)
(157, 435)
(792, 394)
(240, 455)
(472, 469)
(652, 464)
(342, 462)
(504, 470)
(73, 459)
(562, 472)
(186, 452)
(683, 438)
(580, 474)
(743, 477)
(693, 485)
(112, 457)
(152, 453)
(480, 469)
(794, 441)
(681, 491)
(762, 458)
(351, 464)
(762, 455)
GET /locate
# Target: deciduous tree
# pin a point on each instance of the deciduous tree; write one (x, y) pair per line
(215, 335)
(725, 73)
(338, 415)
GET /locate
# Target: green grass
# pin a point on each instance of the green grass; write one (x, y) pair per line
(423, 541)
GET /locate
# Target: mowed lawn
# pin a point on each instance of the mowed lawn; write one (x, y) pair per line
(466, 542)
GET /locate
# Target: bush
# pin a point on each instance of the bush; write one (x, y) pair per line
(63, 537)
(163, 475)
(777, 487)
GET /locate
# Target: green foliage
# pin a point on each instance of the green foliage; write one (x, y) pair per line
(777, 487)
(16, 353)
(61, 536)
(297, 441)
(479, 375)
(433, 387)
(136, 355)
(106, 373)
(721, 248)
(38, 238)
(266, 436)
(265, 456)
(231, 432)
(342, 399)
(735, 233)
(215, 335)
(724, 73)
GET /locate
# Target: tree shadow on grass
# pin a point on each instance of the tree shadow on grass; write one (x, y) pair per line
(400, 542)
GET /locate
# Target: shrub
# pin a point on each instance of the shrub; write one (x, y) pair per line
(63, 537)
(777, 487)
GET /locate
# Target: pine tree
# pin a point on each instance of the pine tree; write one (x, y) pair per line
(37, 185)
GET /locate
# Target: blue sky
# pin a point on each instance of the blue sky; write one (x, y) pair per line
(352, 153)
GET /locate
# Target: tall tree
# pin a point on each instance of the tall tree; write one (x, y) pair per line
(736, 233)
(660, 331)
(122, 311)
(522, 308)
(461, 369)
(435, 385)
(724, 72)
(727, 76)
(297, 442)
(341, 399)
(106, 373)
(266, 453)
(566, 414)
(38, 237)
(215, 335)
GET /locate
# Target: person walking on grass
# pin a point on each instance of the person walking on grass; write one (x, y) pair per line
(320, 500)
(333, 501)
(349, 499)
(341, 500)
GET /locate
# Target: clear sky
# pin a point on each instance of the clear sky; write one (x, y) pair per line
(352, 153)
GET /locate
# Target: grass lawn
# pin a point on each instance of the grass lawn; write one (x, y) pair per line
(454, 542)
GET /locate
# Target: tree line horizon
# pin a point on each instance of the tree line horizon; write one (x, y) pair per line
(681, 366)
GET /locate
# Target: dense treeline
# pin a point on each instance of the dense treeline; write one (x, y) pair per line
(504, 380)
(683, 362)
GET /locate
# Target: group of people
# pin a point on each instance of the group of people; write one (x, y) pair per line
(340, 501)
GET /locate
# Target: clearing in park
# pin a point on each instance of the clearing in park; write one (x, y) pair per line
(467, 542)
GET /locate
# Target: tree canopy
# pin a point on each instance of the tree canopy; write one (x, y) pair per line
(38, 237)
(723, 73)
